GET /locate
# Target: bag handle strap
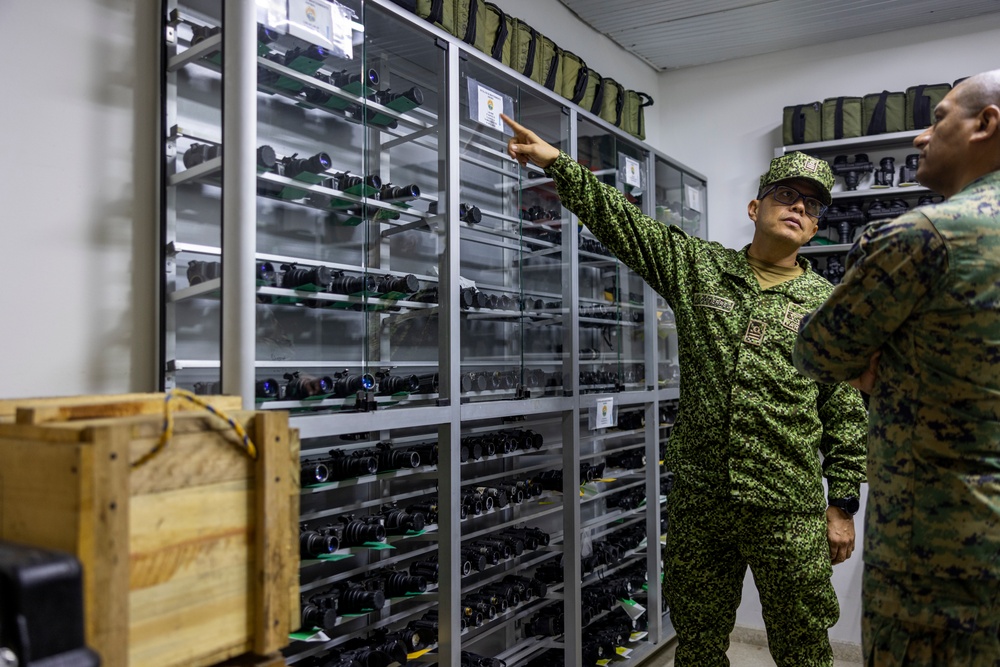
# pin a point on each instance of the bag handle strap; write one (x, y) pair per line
(471, 27)
(550, 77)
(529, 62)
(877, 124)
(502, 33)
(798, 124)
(838, 119)
(921, 107)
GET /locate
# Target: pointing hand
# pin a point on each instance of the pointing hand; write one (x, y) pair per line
(525, 146)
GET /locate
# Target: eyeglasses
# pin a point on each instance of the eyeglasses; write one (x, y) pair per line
(788, 196)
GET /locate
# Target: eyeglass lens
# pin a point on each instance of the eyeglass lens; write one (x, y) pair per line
(789, 196)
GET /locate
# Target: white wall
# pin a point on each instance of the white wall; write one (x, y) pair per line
(76, 197)
(77, 191)
(555, 21)
(724, 120)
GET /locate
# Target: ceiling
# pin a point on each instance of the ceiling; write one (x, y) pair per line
(671, 34)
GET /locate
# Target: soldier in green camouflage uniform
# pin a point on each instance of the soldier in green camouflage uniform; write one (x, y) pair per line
(917, 321)
(746, 446)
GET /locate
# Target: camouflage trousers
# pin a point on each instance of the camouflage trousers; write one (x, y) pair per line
(917, 621)
(709, 547)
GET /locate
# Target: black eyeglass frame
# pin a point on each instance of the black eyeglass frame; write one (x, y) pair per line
(771, 189)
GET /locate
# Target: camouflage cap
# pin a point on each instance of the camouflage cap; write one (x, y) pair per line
(800, 165)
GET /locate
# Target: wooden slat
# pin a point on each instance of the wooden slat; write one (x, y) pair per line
(274, 555)
(108, 559)
(126, 406)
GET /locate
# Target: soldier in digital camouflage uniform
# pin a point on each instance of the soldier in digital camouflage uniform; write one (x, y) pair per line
(746, 446)
(917, 321)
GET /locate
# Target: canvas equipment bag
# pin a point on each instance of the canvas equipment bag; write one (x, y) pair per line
(592, 98)
(613, 101)
(884, 112)
(634, 113)
(439, 12)
(574, 77)
(549, 57)
(842, 118)
(523, 51)
(802, 124)
(920, 103)
(488, 29)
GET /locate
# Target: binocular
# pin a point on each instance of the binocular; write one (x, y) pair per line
(852, 171)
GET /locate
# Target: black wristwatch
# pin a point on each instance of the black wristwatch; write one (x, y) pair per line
(848, 505)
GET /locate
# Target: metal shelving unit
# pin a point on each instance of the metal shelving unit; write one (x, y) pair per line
(474, 310)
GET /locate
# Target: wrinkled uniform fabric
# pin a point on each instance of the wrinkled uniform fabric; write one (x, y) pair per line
(746, 443)
(925, 290)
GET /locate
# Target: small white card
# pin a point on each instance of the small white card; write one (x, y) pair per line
(311, 20)
(632, 176)
(490, 108)
(605, 413)
(692, 198)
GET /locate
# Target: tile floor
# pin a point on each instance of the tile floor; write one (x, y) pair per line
(744, 655)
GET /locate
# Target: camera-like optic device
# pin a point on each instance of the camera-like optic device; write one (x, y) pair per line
(884, 173)
(267, 388)
(908, 170)
(301, 386)
(399, 193)
(852, 171)
(356, 83)
(879, 210)
(347, 384)
(845, 219)
(199, 272)
(398, 102)
(314, 542)
(199, 153)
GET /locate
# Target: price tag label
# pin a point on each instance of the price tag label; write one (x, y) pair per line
(692, 198)
(632, 176)
(490, 108)
(311, 20)
(605, 413)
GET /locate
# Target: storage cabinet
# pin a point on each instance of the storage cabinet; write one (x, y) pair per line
(875, 181)
(478, 385)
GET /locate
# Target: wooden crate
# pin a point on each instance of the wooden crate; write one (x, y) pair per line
(190, 559)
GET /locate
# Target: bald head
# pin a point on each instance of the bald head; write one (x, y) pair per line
(963, 144)
(978, 92)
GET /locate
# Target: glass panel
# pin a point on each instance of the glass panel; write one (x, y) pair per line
(345, 259)
(512, 280)
(611, 294)
(193, 224)
(511, 510)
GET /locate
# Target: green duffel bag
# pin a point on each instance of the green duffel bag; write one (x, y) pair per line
(488, 29)
(613, 101)
(884, 112)
(439, 12)
(523, 51)
(549, 57)
(634, 113)
(574, 77)
(802, 124)
(842, 118)
(592, 98)
(920, 103)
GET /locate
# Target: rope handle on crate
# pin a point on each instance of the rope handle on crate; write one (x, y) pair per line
(168, 425)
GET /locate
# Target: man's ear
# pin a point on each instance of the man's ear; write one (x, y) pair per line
(752, 208)
(988, 124)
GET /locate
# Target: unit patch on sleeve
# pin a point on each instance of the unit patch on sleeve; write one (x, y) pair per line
(712, 301)
(793, 319)
(755, 332)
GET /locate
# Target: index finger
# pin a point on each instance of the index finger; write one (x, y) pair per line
(510, 121)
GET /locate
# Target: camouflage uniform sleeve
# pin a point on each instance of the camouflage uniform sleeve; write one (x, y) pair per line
(655, 251)
(845, 421)
(889, 272)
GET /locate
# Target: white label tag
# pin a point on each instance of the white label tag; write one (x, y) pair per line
(692, 198)
(490, 108)
(632, 176)
(311, 20)
(605, 413)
